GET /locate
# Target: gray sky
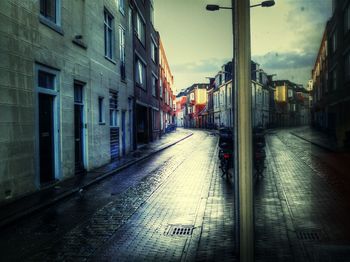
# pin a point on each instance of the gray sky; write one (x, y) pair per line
(285, 38)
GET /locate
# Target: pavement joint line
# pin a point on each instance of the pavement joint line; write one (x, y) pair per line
(68, 193)
(287, 213)
(189, 247)
(315, 144)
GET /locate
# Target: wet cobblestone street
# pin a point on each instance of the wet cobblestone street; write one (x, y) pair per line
(301, 209)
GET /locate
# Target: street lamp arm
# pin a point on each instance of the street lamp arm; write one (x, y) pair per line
(262, 4)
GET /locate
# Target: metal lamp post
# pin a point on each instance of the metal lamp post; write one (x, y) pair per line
(244, 212)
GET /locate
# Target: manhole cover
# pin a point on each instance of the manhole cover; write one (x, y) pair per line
(179, 230)
(310, 235)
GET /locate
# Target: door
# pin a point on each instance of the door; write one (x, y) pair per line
(78, 128)
(46, 139)
(123, 133)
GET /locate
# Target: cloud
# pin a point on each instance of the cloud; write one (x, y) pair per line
(285, 60)
(211, 66)
(307, 19)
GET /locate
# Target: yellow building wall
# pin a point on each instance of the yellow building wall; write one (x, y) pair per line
(281, 94)
(201, 95)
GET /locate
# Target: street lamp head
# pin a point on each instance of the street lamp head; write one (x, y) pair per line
(212, 7)
(268, 3)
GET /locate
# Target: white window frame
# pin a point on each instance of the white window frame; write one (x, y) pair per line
(56, 116)
(57, 20)
(121, 4)
(53, 24)
(108, 35)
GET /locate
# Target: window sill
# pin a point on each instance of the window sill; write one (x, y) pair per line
(80, 43)
(141, 86)
(111, 60)
(102, 123)
(123, 81)
(51, 24)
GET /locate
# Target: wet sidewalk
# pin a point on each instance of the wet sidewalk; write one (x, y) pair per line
(12, 211)
(316, 137)
(310, 188)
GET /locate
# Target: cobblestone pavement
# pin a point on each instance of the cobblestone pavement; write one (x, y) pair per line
(179, 202)
(129, 215)
(301, 210)
(312, 184)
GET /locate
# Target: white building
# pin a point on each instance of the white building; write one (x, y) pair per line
(67, 88)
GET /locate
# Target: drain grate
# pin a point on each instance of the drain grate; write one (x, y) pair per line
(310, 235)
(179, 230)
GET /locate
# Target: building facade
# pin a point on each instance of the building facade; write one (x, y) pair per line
(146, 73)
(166, 96)
(331, 77)
(66, 90)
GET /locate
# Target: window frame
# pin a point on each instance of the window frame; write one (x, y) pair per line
(143, 76)
(334, 79)
(108, 35)
(154, 85)
(154, 50)
(121, 4)
(113, 110)
(55, 23)
(122, 53)
(140, 29)
(101, 111)
(347, 19)
(347, 66)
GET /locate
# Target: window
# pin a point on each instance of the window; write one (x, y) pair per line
(46, 80)
(192, 96)
(347, 66)
(347, 19)
(140, 29)
(334, 79)
(122, 6)
(140, 72)
(122, 52)
(161, 88)
(130, 20)
(154, 51)
(78, 93)
(154, 86)
(50, 9)
(113, 108)
(152, 12)
(154, 118)
(108, 26)
(101, 118)
(334, 42)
